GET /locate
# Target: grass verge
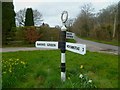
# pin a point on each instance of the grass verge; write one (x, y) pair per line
(113, 42)
(41, 69)
(70, 40)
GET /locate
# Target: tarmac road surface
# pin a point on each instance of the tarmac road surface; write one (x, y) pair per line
(98, 47)
(90, 45)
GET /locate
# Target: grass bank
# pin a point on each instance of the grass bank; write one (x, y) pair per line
(70, 40)
(113, 42)
(41, 69)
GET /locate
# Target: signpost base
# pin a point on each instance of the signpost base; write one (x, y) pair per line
(63, 76)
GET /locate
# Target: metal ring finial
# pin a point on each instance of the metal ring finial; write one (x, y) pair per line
(64, 16)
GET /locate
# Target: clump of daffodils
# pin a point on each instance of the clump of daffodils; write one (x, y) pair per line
(85, 82)
(8, 66)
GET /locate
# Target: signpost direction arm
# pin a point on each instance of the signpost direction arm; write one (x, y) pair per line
(76, 48)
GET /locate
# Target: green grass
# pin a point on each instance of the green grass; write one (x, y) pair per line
(70, 40)
(43, 69)
(113, 42)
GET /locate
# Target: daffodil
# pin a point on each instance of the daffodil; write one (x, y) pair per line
(69, 78)
(17, 59)
(90, 81)
(22, 62)
(81, 66)
(10, 59)
(80, 76)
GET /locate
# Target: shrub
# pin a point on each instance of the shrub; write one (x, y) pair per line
(49, 34)
(31, 35)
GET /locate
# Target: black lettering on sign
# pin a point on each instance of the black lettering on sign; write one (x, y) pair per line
(49, 44)
(70, 36)
(69, 33)
(82, 49)
(41, 44)
(73, 47)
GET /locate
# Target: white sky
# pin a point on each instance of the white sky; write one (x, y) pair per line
(52, 9)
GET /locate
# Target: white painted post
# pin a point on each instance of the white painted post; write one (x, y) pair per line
(63, 73)
(64, 18)
(63, 49)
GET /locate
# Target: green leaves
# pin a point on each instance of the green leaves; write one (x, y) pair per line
(8, 20)
(29, 21)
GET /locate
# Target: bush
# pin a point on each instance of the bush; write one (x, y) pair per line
(102, 33)
(19, 34)
(49, 34)
(27, 35)
(31, 35)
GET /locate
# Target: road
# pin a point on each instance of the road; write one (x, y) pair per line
(91, 46)
(98, 47)
(13, 49)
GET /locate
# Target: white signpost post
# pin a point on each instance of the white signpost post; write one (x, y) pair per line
(63, 45)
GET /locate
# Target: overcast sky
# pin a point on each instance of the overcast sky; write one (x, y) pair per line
(52, 9)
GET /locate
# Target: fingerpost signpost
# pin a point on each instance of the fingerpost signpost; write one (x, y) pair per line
(63, 45)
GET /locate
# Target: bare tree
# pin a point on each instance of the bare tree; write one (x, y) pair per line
(85, 20)
(20, 17)
(69, 23)
(107, 18)
(37, 17)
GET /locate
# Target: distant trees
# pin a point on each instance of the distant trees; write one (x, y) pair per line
(108, 17)
(37, 17)
(0, 24)
(0, 13)
(101, 26)
(8, 20)
(20, 17)
(29, 17)
(118, 20)
(85, 20)
(69, 23)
